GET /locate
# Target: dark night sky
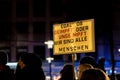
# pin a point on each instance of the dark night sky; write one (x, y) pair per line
(100, 10)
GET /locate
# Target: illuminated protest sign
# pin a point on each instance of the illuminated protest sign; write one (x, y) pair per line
(74, 37)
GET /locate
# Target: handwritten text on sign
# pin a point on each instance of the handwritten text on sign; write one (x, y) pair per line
(74, 37)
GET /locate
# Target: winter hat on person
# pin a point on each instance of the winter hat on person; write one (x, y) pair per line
(88, 60)
(31, 59)
(3, 57)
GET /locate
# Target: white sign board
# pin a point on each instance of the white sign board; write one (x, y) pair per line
(74, 37)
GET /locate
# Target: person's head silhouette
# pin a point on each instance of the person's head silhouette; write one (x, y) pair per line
(3, 58)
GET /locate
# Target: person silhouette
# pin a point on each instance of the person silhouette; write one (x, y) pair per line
(67, 73)
(83, 67)
(89, 60)
(94, 74)
(101, 63)
(6, 73)
(29, 67)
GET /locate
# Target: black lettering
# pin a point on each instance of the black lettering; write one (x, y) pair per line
(74, 48)
(65, 25)
(81, 39)
(82, 47)
(82, 28)
(79, 23)
(86, 46)
(68, 41)
(62, 49)
(58, 42)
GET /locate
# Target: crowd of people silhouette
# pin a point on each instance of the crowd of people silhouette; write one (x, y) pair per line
(29, 67)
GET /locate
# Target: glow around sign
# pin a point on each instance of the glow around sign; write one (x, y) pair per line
(74, 37)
